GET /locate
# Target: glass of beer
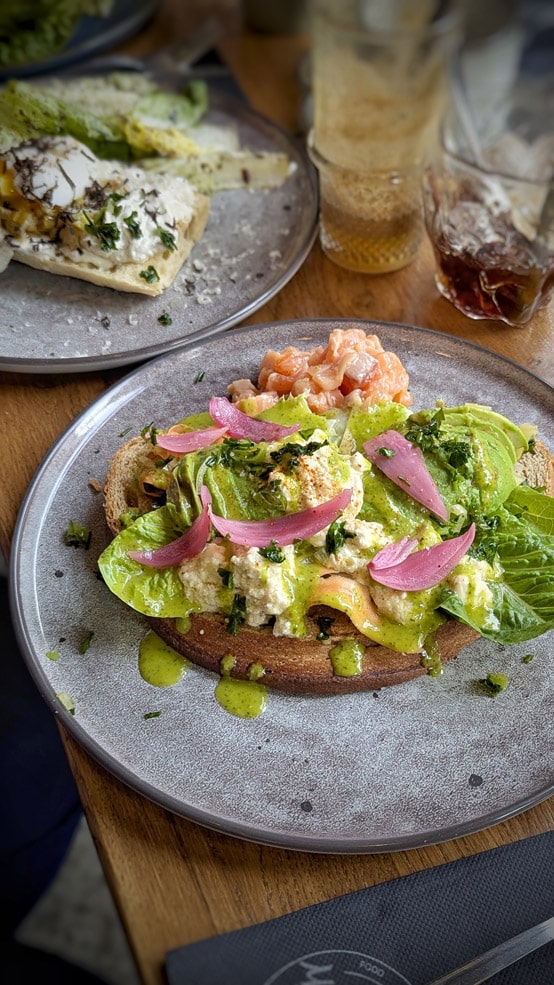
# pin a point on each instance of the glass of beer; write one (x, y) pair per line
(379, 74)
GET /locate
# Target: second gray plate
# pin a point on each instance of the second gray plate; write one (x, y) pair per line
(253, 244)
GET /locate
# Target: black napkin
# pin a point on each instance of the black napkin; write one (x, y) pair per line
(404, 932)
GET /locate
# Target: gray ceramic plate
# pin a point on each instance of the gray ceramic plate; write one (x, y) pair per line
(253, 244)
(416, 764)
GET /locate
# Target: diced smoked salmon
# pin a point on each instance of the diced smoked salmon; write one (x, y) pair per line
(352, 369)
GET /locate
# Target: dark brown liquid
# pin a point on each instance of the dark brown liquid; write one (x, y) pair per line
(496, 281)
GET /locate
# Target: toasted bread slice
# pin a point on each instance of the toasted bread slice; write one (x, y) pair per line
(303, 666)
(126, 276)
(536, 468)
(65, 211)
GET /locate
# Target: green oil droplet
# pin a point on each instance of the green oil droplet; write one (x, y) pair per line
(244, 699)
(431, 658)
(346, 658)
(159, 664)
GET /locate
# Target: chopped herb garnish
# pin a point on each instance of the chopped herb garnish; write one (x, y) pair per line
(386, 452)
(527, 658)
(199, 377)
(124, 432)
(289, 455)
(107, 232)
(336, 536)
(485, 545)
(67, 701)
(168, 239)
(77, 535)
(273, 553)
(237, 615)
(86, 642)
(324, 623)
(150, 431)
(495, 682)
(150, 275)
(456, 453)
(133, 225)
(152, 714)
(165, 318)
(226, 577)
(425, 435)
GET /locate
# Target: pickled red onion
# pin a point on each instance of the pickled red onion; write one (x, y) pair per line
(191, 543)
(240, 425)
(422, 569)
(394, 553)
(406, 467)
(282, 529)
(184, 441)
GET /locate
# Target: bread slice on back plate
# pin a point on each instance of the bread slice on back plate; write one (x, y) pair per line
(65, 211)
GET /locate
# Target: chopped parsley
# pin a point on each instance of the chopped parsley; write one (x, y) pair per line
(527, 658)
(425, 435)
(273, 553)
(288, 457)
(77, 535)
(336, 536)
(67, 701)
(456, 453)
(107, 232)
(124, 432)
(165, 318)
(150, 431)
(199, 377)
(168, 239)
(226, 577)
(495, 682)
(485, 545)
(150, 275)
(133, 225)
(237, 614)
(86, 642)
(386, 452)
(152, 714)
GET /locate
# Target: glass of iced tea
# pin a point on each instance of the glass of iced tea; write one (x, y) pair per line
(491, 223)
(379, 86)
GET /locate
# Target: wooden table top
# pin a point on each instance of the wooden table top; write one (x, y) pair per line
(173, 881)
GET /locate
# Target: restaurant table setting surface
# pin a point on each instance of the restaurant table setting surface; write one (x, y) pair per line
(404, 932)
(205, 851)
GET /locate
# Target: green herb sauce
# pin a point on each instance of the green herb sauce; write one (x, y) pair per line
(346, 658)
(159, 664)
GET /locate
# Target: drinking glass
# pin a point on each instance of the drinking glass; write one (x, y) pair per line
(489, 204)
(379, 74)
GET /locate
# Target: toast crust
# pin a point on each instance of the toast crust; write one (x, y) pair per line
(303, 666)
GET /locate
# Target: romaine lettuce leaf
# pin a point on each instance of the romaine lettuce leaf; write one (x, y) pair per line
(523, 600)
(152, 591)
